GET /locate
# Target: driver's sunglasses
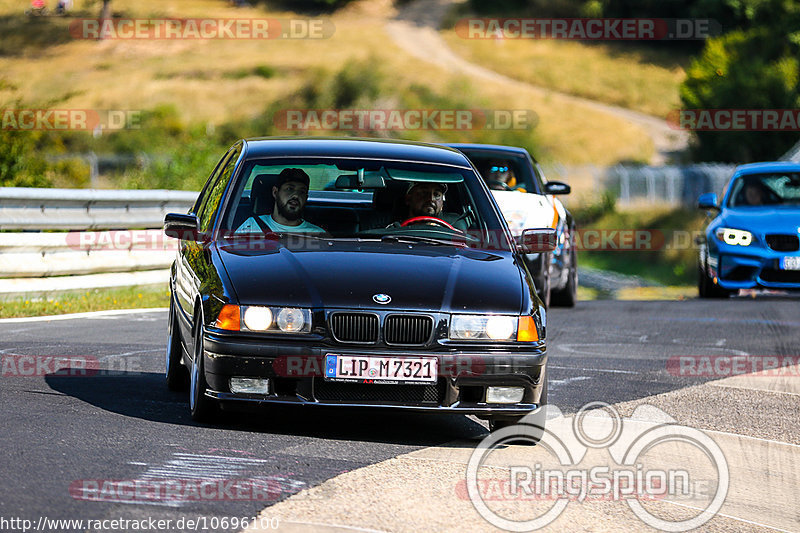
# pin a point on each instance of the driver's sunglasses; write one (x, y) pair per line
(499, 169)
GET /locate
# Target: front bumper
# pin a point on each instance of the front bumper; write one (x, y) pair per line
(737, 267)
(296, 377)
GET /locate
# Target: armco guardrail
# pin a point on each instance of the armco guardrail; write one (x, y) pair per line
(26, 255)
(87, 209)
(69, 247)
(666, 184)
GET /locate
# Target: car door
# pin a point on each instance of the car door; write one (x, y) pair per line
(194, 258)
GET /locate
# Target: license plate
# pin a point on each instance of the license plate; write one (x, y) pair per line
(790, 263)
(363, 368)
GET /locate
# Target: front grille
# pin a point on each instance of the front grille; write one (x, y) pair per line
(780, 276)
(355, 327)
(377, 392)
(740, 273)
(783, 243)
(407, 329)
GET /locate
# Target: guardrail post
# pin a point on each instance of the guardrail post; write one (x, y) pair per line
(671, 176)
(650, 176)
(624, 185)
(93, 168)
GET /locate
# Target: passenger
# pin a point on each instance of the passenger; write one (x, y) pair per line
(291, 194)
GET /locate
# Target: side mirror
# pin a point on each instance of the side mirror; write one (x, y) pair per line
(557, 187)
(183, 227)
(708, 201)
(534, 241)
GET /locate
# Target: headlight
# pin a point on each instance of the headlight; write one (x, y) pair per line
(483, 327)
(734, 237)
(276, 319)
(468, 327)
(500, 327)
(257, 318)
(291, 320)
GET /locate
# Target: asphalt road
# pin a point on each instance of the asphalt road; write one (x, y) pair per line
(61, 433)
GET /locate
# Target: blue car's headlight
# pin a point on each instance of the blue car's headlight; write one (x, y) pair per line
(734, 237)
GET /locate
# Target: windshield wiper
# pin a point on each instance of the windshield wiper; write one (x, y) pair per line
(426, 240)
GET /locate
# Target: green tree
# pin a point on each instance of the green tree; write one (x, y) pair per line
(752, 68)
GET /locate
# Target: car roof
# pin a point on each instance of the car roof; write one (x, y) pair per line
(516, 150)
(767, 166)
(343, 147)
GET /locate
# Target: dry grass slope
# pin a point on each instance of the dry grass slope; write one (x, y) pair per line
(204, 80)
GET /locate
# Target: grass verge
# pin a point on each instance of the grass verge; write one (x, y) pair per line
(679, 292)
(666, 253)
(84, 301)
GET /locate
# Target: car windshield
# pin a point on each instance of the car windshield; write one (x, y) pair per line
(753, 190)
(378, 200)
(503, 170)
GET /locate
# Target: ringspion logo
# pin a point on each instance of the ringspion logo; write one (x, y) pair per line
(596, 455)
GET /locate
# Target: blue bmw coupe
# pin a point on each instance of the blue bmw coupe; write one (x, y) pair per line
(754, 239)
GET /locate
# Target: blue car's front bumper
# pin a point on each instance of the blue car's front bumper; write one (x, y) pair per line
(748, 267)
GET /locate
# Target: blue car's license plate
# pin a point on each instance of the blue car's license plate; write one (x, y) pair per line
(790, 262)
(381, 369)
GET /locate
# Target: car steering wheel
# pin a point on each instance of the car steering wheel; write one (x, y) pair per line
(432, 220)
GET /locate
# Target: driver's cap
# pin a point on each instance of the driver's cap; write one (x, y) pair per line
(442, 186)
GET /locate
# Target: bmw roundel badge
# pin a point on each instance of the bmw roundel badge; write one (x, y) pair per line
(382, 299)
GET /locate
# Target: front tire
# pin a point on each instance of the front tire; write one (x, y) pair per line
(202, 408)
(706, 287)
(177, 375)
(542, 281)
(568, 296)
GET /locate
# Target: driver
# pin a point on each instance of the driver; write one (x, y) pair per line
(498, 175)
(425, 199)
(754, 194)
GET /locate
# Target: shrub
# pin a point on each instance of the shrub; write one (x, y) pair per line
(18, 167)
(743, 70)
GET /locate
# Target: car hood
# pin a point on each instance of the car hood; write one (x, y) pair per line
(526, 210)
(763, 219)
(349, 274)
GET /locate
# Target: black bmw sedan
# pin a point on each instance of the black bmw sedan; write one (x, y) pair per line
(354, 272)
